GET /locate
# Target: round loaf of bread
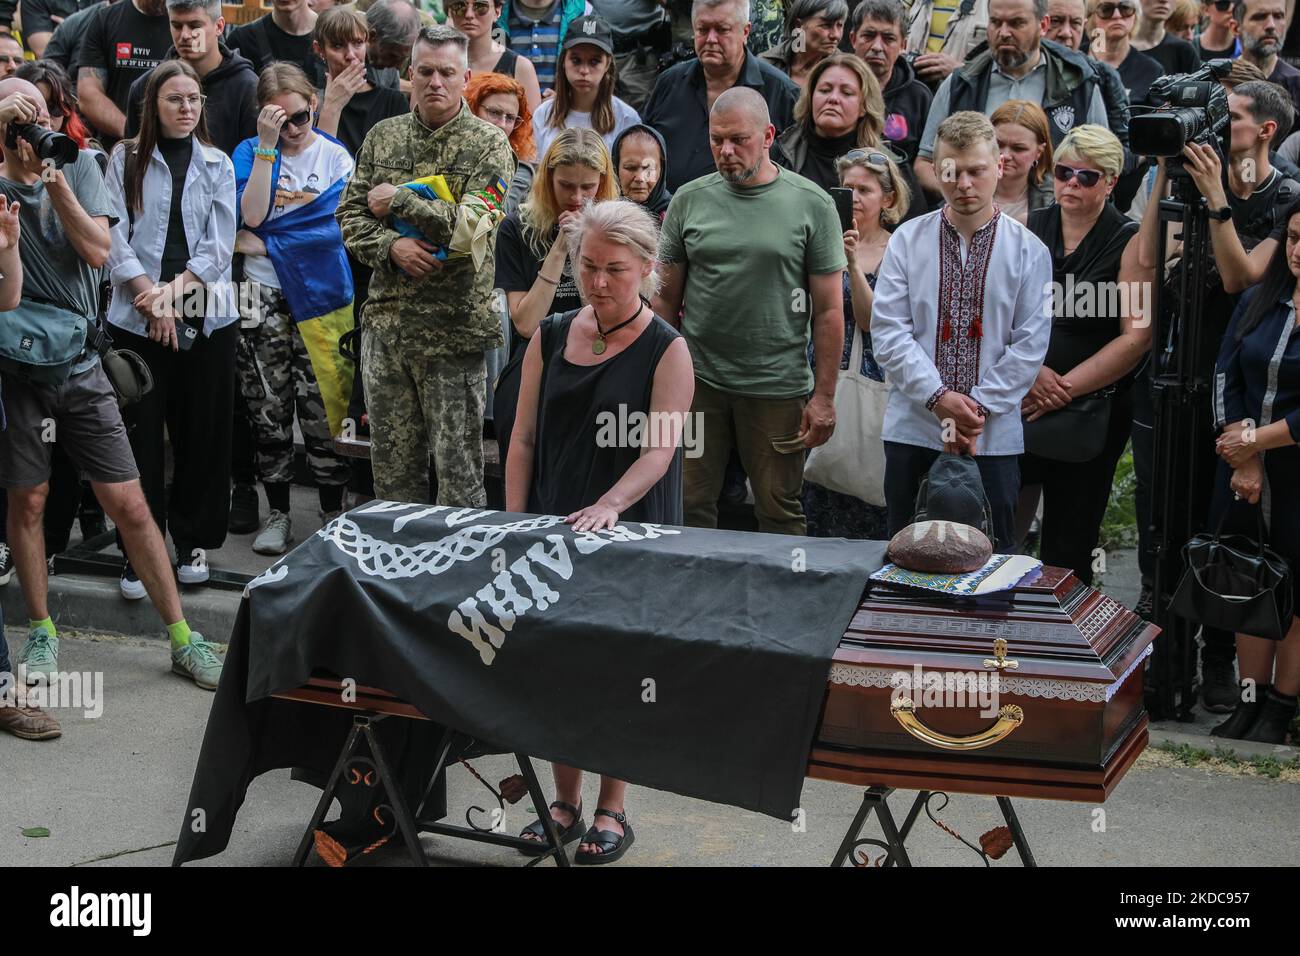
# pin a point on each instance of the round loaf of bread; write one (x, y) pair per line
(940, 547)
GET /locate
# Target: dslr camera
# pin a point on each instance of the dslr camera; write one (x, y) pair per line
(49, 146)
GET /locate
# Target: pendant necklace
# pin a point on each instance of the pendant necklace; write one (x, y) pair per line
(598, 344)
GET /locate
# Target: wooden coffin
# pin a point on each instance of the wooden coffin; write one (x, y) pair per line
(1072, 664)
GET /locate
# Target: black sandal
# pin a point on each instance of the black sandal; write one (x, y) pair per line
(612, 845)
(567, 834)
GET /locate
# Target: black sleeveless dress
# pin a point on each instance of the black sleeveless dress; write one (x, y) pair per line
(506, 65)
(575, 403)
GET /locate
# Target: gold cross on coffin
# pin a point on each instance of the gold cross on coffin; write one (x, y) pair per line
(1000, 653)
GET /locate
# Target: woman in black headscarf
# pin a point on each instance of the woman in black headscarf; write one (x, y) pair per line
(640, 158)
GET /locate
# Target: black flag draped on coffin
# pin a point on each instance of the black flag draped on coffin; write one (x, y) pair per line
(683, 659)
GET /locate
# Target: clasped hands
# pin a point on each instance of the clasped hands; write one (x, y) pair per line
(1237, 445)
(962, 422)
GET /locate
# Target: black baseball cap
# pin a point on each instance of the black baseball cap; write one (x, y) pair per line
(590, 29)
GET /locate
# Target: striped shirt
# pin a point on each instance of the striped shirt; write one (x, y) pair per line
(537, 40)
(940, 14)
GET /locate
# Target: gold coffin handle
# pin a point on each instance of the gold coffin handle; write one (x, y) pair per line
(1009, 718)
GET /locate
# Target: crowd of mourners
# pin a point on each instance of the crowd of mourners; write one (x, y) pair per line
(424, 227)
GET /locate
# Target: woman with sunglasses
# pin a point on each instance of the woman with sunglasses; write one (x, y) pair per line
(1112, 44)
(880, 200)
(285, 171)
(501, 101)
(1257, 403)
(175, 232)
(840, 109)
(1099, 335)
(1218, 38)
(475, 18)
(1026, 146)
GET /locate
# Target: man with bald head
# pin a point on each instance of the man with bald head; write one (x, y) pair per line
(66, 214)
(756, 254)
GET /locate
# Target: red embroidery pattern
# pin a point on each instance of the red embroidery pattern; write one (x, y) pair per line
(961, 304)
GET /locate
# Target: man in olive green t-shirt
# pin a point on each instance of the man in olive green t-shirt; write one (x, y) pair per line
(756, 254)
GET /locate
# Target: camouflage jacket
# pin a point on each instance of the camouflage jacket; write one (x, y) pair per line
(448, 312)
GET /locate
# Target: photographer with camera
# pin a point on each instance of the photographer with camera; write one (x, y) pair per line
(1244, 227)
(66, 213)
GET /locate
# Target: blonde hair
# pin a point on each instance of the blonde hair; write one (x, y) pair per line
(279, 78)
(623, 222)
(871, 126)
(965, 129)
(1031, 116)
(891, 182)
(1095, 144)
(573, 147)
(1185, 13)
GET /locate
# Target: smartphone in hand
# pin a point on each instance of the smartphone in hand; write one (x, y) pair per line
(844, 206)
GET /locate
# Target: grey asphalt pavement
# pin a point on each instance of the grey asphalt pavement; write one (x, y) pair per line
(112, 792)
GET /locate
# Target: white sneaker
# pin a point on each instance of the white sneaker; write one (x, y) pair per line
(130, 585)
(192, 568)
(276, 535)
(6, 564)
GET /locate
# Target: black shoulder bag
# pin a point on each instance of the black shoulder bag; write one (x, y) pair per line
(1235, 584)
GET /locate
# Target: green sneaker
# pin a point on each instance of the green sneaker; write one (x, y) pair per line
(41, 652)
(198, 661)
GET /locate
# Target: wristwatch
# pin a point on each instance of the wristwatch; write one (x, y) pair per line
(1220, 215)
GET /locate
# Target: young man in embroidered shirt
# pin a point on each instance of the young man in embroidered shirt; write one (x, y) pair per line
(960, 325)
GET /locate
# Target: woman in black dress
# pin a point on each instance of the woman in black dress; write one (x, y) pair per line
(1100, 333)
(612, 352)
(1257, 408)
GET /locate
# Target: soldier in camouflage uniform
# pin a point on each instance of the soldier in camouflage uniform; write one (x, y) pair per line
(427, 322)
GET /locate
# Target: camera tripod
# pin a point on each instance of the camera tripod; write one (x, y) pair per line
(1183, 352)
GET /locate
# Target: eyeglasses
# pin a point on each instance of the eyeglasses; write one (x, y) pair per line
(301, 118)
(1108, 10)
(1087, 177)
(874, 158)
(458, 8)
(505, 119)
(194, 101)
(1223, 6)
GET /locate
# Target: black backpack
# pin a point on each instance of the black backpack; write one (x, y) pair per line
(954, 491)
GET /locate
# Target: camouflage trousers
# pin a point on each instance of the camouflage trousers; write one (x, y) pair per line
(277, 380)
(418, 402)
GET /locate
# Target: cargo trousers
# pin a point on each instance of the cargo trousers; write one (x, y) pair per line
(417, 403)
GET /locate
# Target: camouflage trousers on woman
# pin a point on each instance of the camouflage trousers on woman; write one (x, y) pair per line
(277, 380)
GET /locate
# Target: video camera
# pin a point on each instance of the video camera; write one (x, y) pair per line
(1193, 109)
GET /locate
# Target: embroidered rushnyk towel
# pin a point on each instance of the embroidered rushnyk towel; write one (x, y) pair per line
(1001, 572)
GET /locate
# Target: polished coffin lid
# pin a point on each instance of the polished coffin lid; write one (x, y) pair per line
(1069, 641)
(1076, 684)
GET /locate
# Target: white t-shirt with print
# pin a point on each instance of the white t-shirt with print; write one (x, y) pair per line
(624, 116)
(302, 179)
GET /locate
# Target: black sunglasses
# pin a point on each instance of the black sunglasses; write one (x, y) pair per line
(301, 118)
(1087, 177)
(1107, 10)
(1223, 6)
